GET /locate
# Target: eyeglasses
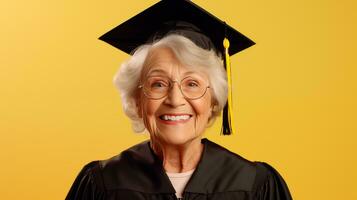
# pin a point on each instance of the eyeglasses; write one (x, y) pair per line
(157, 87)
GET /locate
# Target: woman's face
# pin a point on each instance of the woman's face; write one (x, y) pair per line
(173, 119)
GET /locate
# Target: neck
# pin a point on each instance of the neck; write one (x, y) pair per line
(179, 158)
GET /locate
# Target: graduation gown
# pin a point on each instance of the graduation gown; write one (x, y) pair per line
(137, 174)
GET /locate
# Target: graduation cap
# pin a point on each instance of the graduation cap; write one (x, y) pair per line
(185, 18)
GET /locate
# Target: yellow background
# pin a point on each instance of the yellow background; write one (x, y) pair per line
(294, 100)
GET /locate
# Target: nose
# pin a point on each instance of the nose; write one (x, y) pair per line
(175, 97)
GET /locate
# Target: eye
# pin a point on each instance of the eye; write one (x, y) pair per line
(192, 84)
(158, 84)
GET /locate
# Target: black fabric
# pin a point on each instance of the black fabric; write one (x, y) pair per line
(185, 29)
(139, 29)
(137, 174)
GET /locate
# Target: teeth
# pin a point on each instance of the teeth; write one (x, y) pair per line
(175, 118)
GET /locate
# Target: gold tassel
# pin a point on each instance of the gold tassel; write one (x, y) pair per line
(230, 103)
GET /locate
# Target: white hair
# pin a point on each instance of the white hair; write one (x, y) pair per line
(127, 79)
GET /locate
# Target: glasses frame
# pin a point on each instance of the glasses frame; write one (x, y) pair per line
(141, 86)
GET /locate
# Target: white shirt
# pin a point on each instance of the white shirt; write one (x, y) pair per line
(179, 181)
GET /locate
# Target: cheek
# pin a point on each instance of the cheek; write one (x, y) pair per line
(149, 108)
(202, 108)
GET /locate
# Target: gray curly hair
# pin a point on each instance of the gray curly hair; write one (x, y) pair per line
(127, 79)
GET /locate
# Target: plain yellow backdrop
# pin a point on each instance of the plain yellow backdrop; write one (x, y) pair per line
(294, 92)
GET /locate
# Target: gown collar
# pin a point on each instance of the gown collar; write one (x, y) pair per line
(199, 178)
(140, 169)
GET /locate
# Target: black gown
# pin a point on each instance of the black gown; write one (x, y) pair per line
(137, 174)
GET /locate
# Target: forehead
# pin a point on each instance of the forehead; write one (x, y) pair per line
(162, 61)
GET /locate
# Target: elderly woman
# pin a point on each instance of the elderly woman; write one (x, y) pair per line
(174, 87)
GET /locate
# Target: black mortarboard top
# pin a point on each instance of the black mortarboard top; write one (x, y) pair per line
(185, 18)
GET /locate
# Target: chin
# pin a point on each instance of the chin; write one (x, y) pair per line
(175, 138)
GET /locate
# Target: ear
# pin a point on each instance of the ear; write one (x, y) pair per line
(138, 103)
(210, 121)
(213, 106)
(140, 111)
(211, 109)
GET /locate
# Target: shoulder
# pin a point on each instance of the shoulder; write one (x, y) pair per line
(135, 153)
(227, 170)
(117, 163)
(219, 154)
(88, 184)
(269, 184)
(123, 170)
(232, 172)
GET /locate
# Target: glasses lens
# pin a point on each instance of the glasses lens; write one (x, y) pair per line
(193, 88)
(156, 87)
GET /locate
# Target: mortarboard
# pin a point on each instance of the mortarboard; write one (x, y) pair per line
(185, 18)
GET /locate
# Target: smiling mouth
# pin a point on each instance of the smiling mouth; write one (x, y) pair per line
(175, 118)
